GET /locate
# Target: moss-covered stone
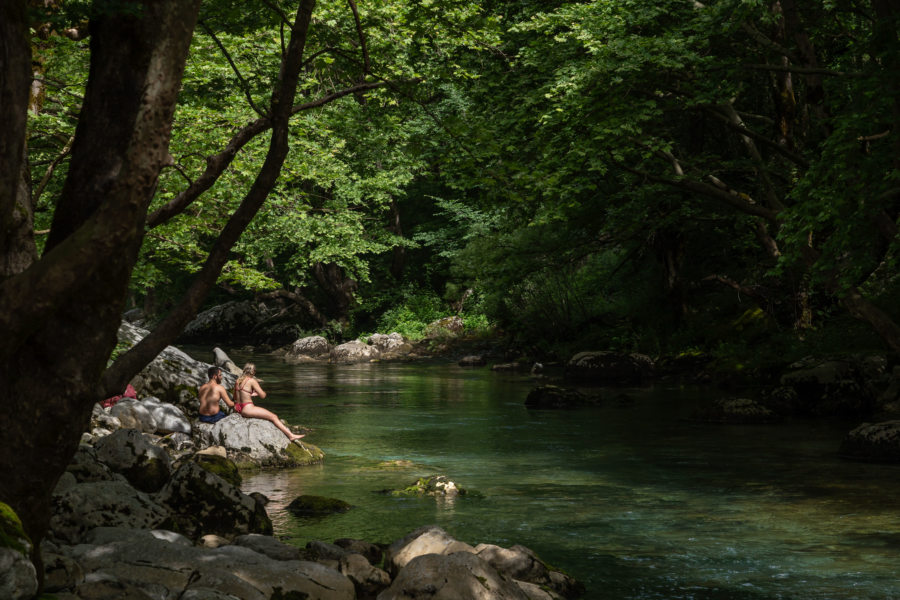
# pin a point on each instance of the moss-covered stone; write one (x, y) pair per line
(433, 485)
(12, 535)
(221, 466)
(302, 453)
(317, 506)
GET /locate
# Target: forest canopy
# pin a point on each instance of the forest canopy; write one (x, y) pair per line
(654, 176)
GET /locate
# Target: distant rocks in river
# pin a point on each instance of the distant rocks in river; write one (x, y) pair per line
(316, 506)
(873, 442)
(554, 396)
(737, 411)
(610, 367)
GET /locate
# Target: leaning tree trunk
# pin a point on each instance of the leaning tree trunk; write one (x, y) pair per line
(60, 315)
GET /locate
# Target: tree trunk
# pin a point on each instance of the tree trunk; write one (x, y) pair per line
(61, 315)
(16, 240)
(337, 286)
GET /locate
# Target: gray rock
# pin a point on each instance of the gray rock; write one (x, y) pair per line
(168, 417)
(445, 327)
(102, 504)
(131, 412)
(221, 360)
(266, 544)
(391, 342)
(517, 562)
(432, 485)
(166, 570)
(203, 503)
(85, 467)
(457, 575)
(100, 418)
(323, 551)
(60, 572)
(257, 443)
(313, 346)
(127, 451)
(430, 539)
(610, 367)
(474, 360)
(373, 553)
(354, 352)
(367, 580)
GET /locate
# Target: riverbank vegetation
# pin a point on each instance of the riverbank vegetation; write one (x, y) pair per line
(666, 177)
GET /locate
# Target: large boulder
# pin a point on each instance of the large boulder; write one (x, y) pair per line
(390, 343)
(355, 351)
(85, 506)
(610, 367)
(172, 376)
(367, 580)
(841, 386)
(229, 321)
(873, 442)
(523, 565)
(162, 568)
(457, 575)
(203, 503)
(445, 327)
(253, 443)
(86, 468)
(129, 452)
(18, 577)
(312, 346)
(430, 539)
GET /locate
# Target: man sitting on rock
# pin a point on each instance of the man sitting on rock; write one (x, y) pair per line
(210, 393)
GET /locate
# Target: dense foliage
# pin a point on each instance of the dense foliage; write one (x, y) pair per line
(657, 176)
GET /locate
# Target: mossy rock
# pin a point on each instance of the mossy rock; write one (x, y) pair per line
(317, 506)
(12, 535)
(304, 454)
(221, 466)
(433, 485)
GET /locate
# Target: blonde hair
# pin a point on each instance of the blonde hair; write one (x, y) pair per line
(249, 371)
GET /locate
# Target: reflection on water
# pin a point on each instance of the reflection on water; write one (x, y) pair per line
(629, 498)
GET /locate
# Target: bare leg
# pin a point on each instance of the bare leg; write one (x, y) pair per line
(251, 411)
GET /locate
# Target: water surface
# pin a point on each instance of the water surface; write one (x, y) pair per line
(628, 497)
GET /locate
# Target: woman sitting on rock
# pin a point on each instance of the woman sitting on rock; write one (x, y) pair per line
(245, 389)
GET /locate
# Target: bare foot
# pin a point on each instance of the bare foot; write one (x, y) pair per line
(296, 437)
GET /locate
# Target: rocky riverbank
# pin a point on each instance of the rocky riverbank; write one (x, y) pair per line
(151, 508)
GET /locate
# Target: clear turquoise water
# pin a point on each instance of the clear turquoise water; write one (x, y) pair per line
(628, 497)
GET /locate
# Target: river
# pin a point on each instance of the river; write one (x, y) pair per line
(629, 497)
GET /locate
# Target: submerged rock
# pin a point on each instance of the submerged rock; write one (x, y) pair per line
(317, 506)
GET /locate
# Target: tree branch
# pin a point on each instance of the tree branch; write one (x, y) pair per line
(804, 70)
(67, 149)
(362, 39)
(237, 72)
(218, 163)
